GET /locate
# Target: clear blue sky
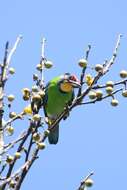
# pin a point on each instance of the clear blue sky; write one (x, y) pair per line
(94, 137)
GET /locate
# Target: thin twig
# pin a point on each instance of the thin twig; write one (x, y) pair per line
(100, 99)
(112, 60)
(7, 180)
(43, 48)
(115, 84)
(11, 145)
(29, 148)
(13, 50)
(82, 184)
(83, 71)
(3, 72)
(18, 116)
(2, 84)
(2, 169)
(25, 170)
(18, 150)
(42, 59)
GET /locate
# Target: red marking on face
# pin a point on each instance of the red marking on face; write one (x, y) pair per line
(73, 78)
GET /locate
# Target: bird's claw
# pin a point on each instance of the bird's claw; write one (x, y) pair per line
(66, 109)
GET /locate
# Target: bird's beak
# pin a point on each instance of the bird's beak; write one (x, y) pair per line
(75, 84)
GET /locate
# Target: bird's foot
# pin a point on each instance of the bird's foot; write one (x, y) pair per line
(66, 109)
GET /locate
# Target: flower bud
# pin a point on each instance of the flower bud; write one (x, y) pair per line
(110, 83)
(124, 93)
(123, 74)
(89, 182)
(99, 94)
(92, 95)
(109, 89)
(12, 184)
(9, 159)
(48, 64)
(34, 88)
(36, 117)
(11, 70)
(114, 102)
(36, 137)
(12, 114)
(11, 97)
(41, 145)
(10, 130)
(98, 67)
(35, 77)
(17, 155)
(83, 63)
(39, 67)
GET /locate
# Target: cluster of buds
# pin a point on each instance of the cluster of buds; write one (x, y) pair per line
(35, 95)
(10, 158)
(26, 94)
(37, 138)
(109, 87)
(13, 182)
(83, 63)
(44, 64)
(98, 94)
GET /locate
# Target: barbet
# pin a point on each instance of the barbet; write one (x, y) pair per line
(59, 93)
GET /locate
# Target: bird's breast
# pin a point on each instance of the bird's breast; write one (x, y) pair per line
(57, 101)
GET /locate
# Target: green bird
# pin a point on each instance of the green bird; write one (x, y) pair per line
(59, 92)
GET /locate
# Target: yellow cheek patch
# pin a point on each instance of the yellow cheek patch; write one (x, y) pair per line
(66, 87)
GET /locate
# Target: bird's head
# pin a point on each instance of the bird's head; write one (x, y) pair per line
(68, 82)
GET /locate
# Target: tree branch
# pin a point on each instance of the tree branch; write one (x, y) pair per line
(100, 99)
(83, 71)
(82, 184)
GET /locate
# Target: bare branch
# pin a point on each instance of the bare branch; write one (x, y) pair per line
(2, 84)
(42, 60)
(7, 180)
(13, 50)
(43, 48)
(115, 84)
(18, 116)
(83, 71)
(2, 169)
(11, 145)
(112, 60)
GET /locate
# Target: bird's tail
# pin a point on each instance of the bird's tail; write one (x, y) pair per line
(54, 135)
